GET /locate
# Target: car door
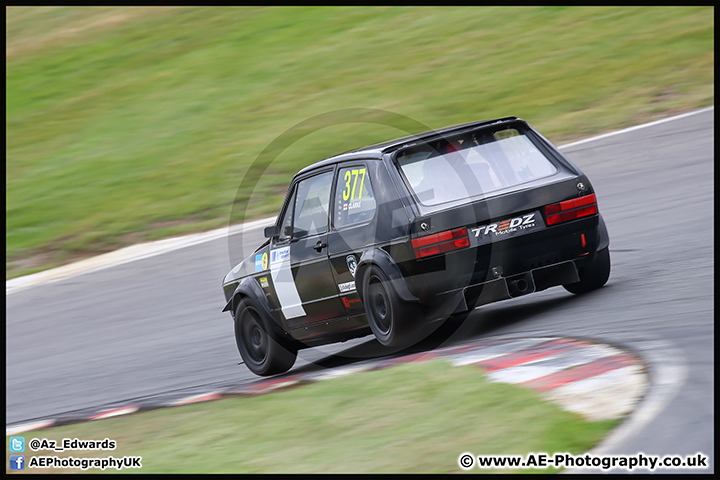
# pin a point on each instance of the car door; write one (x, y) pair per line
(299, 267)
(354, 228)
(368, 214)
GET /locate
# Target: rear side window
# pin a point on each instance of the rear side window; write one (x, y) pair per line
(472, 166)
(354, 197)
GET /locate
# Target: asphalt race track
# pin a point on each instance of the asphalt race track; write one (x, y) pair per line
(154, 325)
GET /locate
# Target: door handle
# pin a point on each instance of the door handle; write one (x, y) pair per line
(320, 245)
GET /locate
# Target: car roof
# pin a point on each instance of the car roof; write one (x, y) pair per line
(377, 150)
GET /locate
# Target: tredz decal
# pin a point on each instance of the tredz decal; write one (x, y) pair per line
(505, 227)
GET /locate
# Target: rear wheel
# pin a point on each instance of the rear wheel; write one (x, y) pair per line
(592, 276)
(262, 350)
(394, 322)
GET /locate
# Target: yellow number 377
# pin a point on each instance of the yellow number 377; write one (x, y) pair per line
(351, 180)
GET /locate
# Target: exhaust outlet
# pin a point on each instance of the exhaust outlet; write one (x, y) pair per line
(520, 285)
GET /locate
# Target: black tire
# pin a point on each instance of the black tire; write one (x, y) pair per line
(262, 350)
(592, 276)
(394, 322)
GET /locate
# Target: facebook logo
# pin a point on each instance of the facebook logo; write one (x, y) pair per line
(17, 462)
(17, 444)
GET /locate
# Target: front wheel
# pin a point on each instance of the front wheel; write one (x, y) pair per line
(592, 276)
(394, 322)
(262, 350)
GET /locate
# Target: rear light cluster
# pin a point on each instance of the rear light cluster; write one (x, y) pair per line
(571, 209)
(441, 242)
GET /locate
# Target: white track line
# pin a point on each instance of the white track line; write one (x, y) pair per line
(129, 254)
(637, 127)
(150, 249)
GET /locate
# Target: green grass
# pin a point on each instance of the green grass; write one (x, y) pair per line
(412, 418)
(134, 123)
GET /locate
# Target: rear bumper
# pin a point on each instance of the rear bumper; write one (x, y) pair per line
(535, 280)
(503, 288)
(575, 241)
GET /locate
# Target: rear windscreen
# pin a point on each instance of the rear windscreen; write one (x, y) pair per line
(476, 165)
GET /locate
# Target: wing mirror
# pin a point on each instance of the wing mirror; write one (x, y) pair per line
(274, 231)
(271, 232)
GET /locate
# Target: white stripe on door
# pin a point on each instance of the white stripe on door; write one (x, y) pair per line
(285, 287)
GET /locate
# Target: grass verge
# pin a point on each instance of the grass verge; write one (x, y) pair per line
(411, 418)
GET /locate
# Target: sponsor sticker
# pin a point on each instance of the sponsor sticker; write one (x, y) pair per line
(347, 287)
(509, 227)
(352, 264)
(261, 262)
(264, 282)
(277, 256)
(348, 302)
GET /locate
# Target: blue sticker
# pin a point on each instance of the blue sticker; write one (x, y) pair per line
(261, 262)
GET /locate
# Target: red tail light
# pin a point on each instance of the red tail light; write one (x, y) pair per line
(441, 242)
(571, 209)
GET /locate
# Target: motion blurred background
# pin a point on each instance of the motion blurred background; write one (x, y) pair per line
(126, 124)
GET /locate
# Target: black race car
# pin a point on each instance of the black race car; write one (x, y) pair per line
(393, 238)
